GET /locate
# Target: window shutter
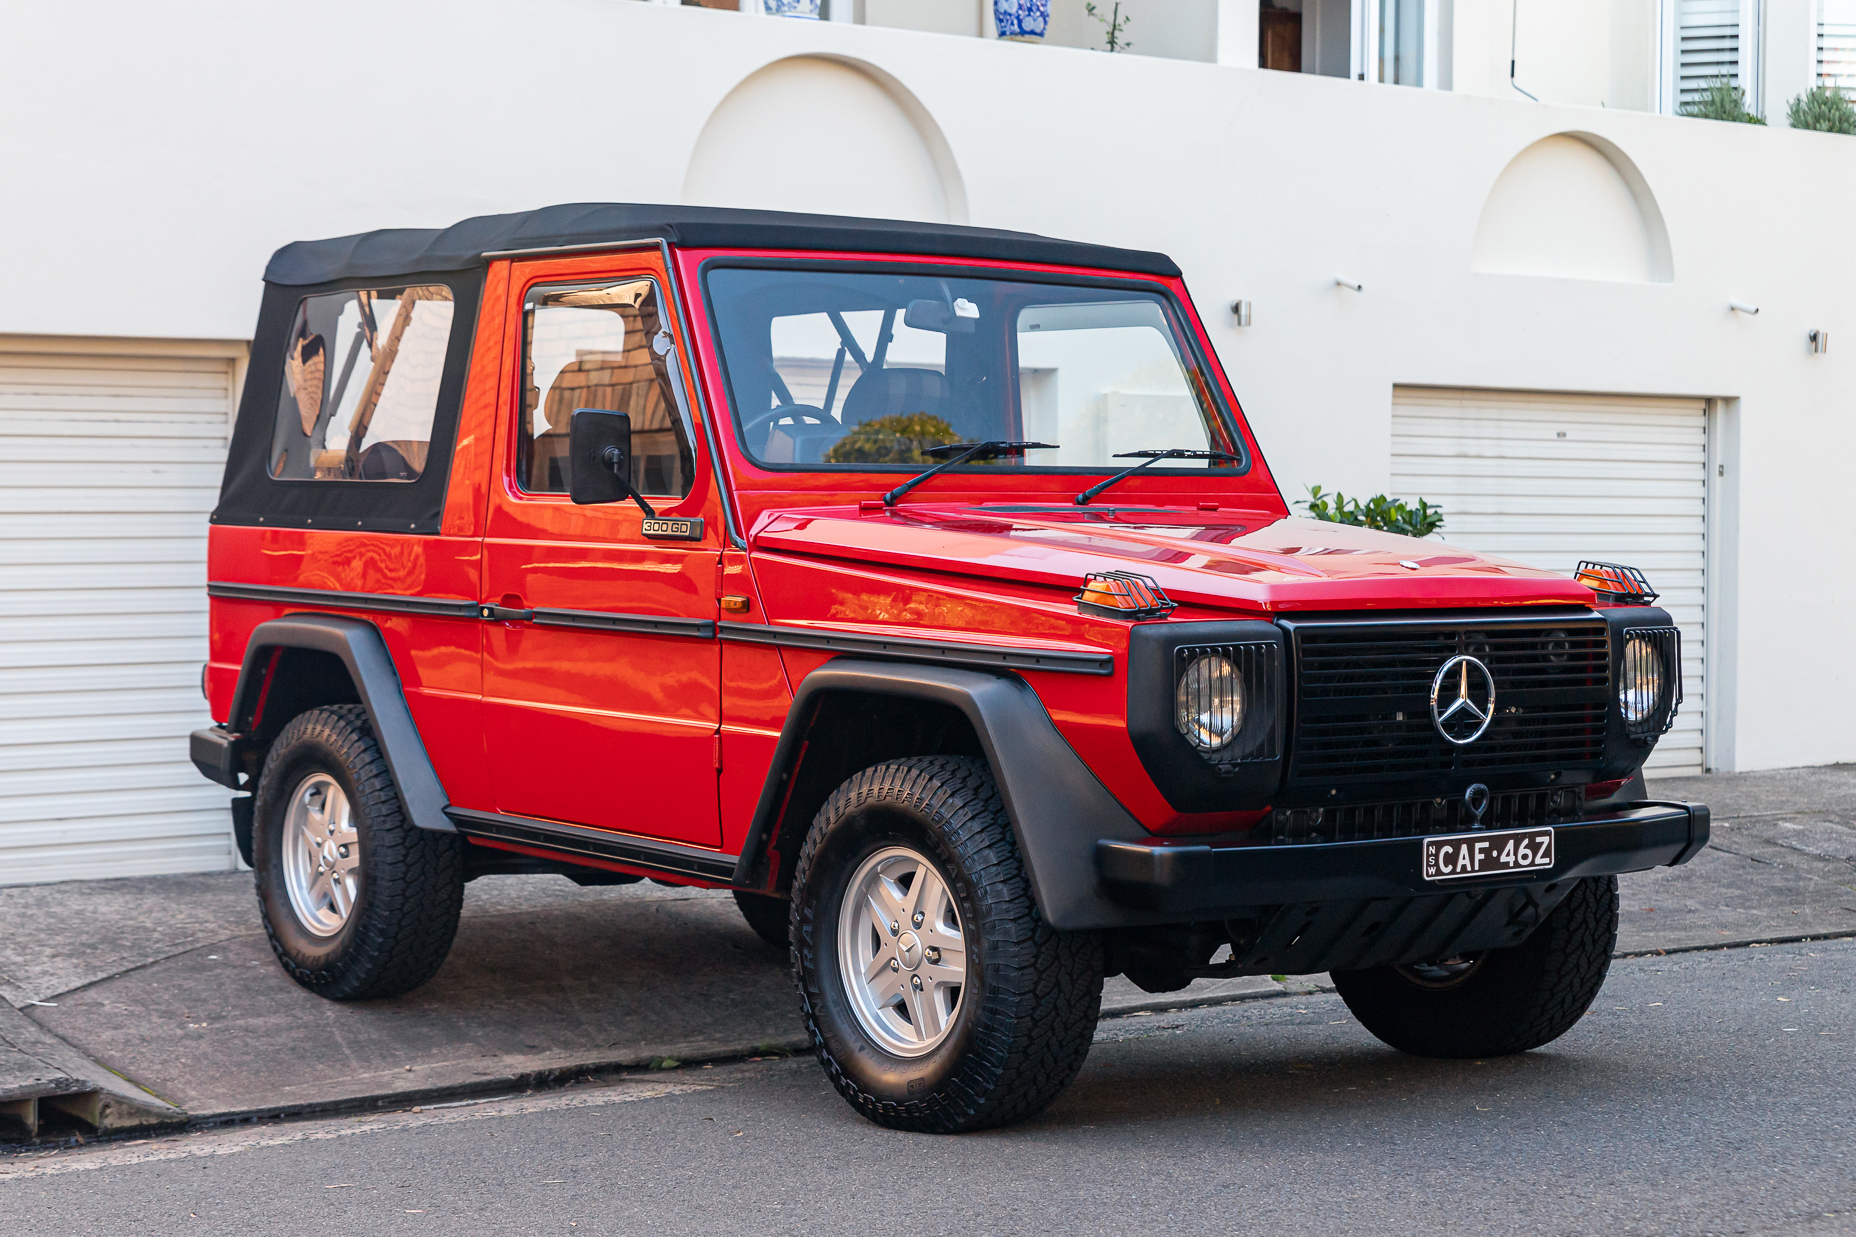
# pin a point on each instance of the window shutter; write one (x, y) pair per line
(1707, 46)
(1836, 45)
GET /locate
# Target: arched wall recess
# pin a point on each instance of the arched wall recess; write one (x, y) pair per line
(830, 135)
(1573, 206)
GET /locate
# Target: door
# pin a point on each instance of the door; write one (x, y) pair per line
(602, 685)
(1549, 479)
(110, 460)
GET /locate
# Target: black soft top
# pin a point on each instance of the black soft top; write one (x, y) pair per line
(462, 246)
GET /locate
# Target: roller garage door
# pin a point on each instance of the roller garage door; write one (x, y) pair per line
(109, 466)
(1550, 479)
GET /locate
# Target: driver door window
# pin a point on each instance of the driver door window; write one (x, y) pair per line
(599, 346)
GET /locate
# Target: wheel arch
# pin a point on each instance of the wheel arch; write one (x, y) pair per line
(1057, 807)
(303, 661)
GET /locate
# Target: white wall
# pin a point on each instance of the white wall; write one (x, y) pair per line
(208, 133)
(1582, 53)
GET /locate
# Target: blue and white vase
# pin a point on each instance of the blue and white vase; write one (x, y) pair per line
(806, 10)
(1024, 20)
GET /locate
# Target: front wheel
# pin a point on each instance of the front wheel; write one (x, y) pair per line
(1499, 1001)
(937, 997)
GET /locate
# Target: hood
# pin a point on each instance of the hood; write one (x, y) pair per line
(1223, 559)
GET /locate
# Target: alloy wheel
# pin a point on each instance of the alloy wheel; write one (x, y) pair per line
(321, 855)
(901, 952)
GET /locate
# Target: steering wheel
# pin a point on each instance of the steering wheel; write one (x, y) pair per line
(804, 413)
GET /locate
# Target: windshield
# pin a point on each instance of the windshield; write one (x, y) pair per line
(833, 369)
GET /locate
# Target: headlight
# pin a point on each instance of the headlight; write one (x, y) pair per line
(1209, 703)
(1640, 687)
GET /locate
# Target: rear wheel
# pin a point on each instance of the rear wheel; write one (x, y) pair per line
(938, 999)
(357, 901)
(1499, 1001)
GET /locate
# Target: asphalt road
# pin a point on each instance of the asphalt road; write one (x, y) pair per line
(1706, 1093)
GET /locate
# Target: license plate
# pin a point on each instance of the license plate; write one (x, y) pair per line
(1494, 853)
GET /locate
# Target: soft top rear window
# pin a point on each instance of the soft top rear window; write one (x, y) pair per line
(361, 373)
(349, 416)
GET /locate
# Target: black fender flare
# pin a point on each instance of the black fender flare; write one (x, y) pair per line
(1057, 807)
(363, 651)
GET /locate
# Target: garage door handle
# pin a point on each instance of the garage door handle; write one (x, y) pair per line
(504, 614)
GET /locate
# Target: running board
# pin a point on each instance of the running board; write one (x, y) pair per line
(571, 840)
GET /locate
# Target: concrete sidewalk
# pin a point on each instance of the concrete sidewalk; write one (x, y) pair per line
(168, 981)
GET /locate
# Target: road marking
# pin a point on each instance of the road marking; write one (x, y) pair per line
(230, 1142)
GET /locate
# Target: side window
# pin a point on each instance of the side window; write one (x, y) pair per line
(598, 346)
(360, 390)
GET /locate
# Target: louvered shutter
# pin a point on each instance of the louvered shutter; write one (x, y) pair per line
(1707, 47)
(1836, 45)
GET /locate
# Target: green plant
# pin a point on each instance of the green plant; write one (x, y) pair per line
(901, 439)
(1387, 514)
(1822, 108)
(1114, 24)
(1721, 100)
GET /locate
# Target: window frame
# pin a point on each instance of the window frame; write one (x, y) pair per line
(1230, 417)
(667, 319)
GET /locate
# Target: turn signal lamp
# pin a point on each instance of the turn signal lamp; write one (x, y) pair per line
(1123, 595)
(1619, 585)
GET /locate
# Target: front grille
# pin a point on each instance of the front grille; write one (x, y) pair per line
(1363, 708)
(1413, 818)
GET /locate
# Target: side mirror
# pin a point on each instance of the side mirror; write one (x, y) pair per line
(599, 458)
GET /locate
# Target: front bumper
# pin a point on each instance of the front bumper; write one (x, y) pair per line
(1200, 881)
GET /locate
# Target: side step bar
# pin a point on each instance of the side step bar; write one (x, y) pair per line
(601, 844)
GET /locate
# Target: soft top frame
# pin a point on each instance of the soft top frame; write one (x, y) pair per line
(396, 252)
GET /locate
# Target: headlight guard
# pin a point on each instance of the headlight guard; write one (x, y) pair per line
(1208, 712)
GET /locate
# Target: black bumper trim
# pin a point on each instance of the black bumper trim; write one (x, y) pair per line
(217, 755)
(1204, 881)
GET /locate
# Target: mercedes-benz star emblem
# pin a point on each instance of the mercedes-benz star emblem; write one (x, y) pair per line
(1462, 699)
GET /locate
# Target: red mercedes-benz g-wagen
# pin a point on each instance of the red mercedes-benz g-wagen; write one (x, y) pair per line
(922, 585)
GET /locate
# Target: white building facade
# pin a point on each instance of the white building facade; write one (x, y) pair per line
(1583, 325)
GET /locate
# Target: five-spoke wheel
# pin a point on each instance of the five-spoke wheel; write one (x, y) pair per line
(321, 854)
(901, 952)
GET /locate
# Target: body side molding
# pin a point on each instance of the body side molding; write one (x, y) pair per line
(387, 603)
(370, 665)
(1058, 809)
(936, 652)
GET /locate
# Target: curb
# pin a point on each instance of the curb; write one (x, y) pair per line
(1713, 947)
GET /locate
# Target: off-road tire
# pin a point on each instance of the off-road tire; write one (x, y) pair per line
(771, 918)
(1514, 1000)
(1027, 1015)
(412, 880)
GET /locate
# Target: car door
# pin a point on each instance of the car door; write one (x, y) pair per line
(602, 675)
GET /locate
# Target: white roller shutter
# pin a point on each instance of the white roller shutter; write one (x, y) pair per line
(109, 466)
(1550, 479)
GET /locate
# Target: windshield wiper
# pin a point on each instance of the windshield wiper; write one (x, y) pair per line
(1152, 457)
(967, 451)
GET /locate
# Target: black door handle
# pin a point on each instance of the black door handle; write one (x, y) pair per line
(503, 614)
